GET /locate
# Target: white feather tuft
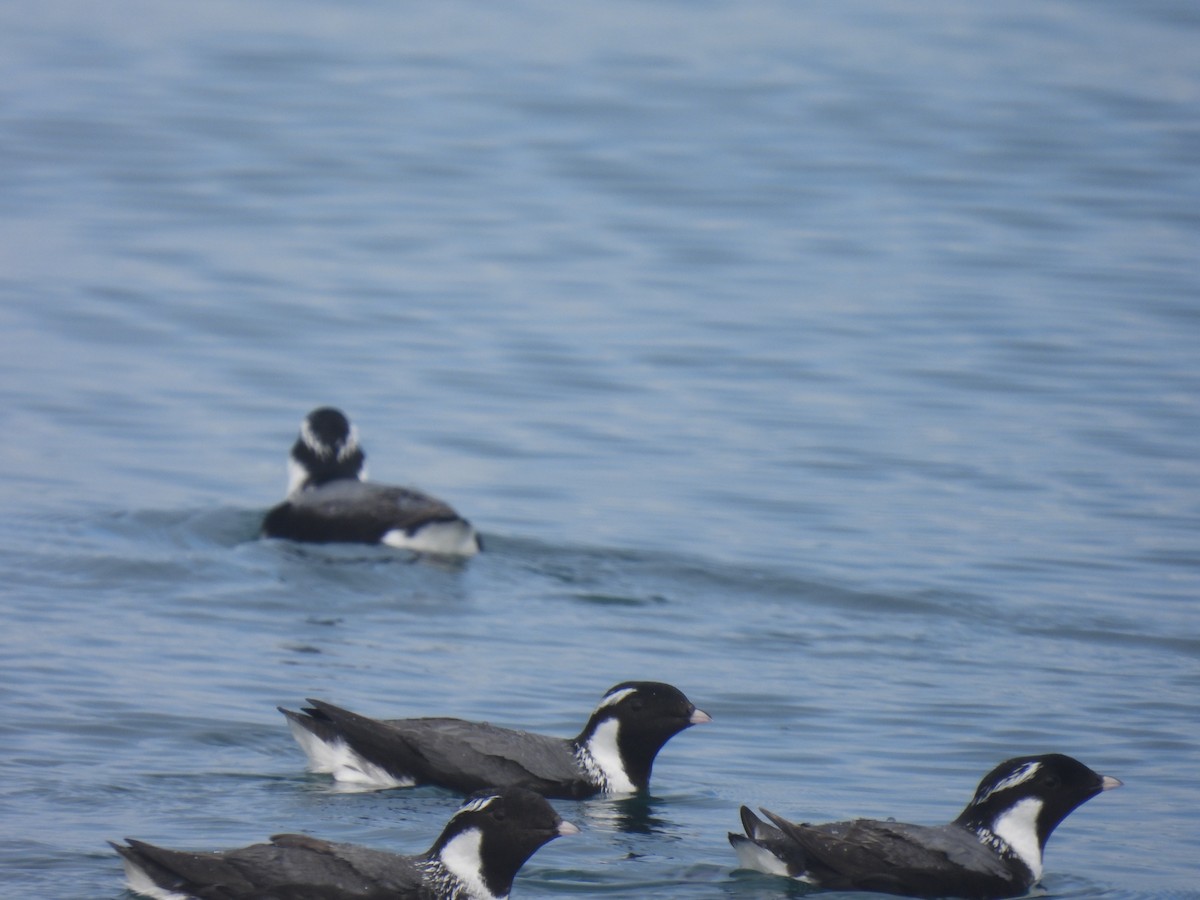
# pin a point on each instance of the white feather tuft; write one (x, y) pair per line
(1020, 776)
(616, 697)
(478, 803)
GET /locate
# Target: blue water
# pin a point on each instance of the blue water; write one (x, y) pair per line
(839, 364)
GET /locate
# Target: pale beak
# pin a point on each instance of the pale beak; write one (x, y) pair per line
(699, 717)
(1107, 783)
(565, 828)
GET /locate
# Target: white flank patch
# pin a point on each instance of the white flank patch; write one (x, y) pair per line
(462, 859)
(445, 538)
(337, 758)
(604, 753)
(1018, 828)
(1020, 776)
(140, 883)
(751, 856)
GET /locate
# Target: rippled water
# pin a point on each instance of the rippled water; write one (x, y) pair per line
(836, 365)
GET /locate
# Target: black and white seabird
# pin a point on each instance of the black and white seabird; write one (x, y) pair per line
(329, 500)
(613, 754)
(992, 850)
(476, 857)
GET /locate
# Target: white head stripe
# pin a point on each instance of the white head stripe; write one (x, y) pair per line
(310, 439)
(1020, 776)
(478, 803)
(319, 447)
(616, 697)
(351, 444)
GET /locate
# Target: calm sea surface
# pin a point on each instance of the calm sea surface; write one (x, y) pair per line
(837, 363)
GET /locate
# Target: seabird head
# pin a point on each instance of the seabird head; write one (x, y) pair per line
(1019, 803)
(486, 842)
(326, 450)
(630, 725)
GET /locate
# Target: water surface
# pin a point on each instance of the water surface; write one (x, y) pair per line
(835, 365)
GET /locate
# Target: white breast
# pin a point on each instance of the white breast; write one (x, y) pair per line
(1018, 829)
(462, 859)
(606, 756)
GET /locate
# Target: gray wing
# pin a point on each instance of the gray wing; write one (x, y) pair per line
(913, 860)
(959, 846)
(380, 872)
(354, 511)
(291, 867)
(463, 756)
